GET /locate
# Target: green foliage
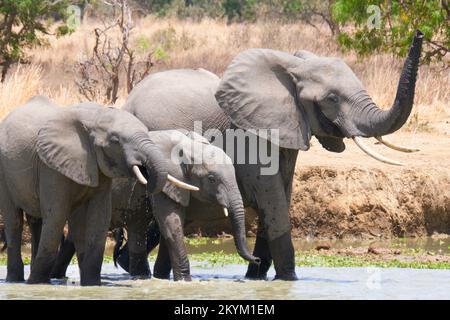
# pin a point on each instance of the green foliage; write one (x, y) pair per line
(22, 24)
(142, 45)
(160, 54)
(240, 10)
(392, 30)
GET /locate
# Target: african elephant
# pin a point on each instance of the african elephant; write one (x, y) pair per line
(57, 164)
(191, 158)
(301, 95)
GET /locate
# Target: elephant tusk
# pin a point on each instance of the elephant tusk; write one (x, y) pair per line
(181, 184)
(139, 175)
(393, 146)
(225, 211)
(374, 154)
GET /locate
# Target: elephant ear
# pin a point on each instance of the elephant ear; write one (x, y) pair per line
(173, 141)
(257, 91)
(64, 145)
(177, 194)
(332, 144)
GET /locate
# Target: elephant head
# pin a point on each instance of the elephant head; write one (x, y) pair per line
(85, 140)
(304, 95)
(195, 160)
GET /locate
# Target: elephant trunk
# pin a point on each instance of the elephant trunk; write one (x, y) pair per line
(370, 120)
(237, 219)
(154, 165)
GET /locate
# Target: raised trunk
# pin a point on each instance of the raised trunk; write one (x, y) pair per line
(372, 121)
(237, 218)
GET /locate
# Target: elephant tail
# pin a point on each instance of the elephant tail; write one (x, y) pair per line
(119, 236)
(3, 238)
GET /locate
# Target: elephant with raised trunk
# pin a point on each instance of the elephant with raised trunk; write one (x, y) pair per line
(57, 164)
(302, 95)
(190, 158)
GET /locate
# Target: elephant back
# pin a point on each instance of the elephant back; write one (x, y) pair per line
(176, 99)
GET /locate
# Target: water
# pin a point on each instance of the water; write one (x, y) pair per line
(227, 283)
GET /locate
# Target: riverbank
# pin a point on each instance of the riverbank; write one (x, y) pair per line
(351, 196)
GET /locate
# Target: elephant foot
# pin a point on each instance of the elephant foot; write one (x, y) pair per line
(38, 280)
(58, 274)
(187, 278)
(258, 272)
(255, 276)
(15, 278)
(141, 277)
(286, 277)
(90, 282)
(161, 275)
(283, 255)
(139, 266)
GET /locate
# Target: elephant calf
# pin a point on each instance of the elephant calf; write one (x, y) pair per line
(57, 164)
(190, 158)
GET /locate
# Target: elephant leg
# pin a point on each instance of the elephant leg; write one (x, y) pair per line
(55, 203)
(262, 251)
(35, 225)
(52, 228)
(153, 236)
(162, 266)
(121, 253)
(13, 229)
(65, 255)
(170, 216)
(271, 199)
(77, 230)
(283, 254)
(137, 246)
(97, 221)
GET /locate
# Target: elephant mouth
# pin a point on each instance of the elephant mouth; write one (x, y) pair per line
(326, 124)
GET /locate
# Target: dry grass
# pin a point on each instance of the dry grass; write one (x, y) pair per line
(212, 45)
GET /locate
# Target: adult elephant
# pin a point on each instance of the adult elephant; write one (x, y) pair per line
(301, 95)
(57, 164)
(190, 158)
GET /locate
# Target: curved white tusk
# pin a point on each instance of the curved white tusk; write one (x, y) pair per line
(393, 146)
(139, 175)
(181, 184)
(225, 211)
(374, 154)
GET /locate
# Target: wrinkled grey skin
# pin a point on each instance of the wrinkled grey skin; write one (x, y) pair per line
(212, 171)
(57, 164)
(202, 165)
(302, 95)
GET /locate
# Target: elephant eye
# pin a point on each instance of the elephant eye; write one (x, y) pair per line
(211, 178)
(333, 98)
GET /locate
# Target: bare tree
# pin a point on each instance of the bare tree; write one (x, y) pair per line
(99, 77)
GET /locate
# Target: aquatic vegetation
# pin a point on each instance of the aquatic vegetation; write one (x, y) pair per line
(197, 241)
(394, 255)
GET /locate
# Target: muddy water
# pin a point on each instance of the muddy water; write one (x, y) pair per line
(227, 283)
